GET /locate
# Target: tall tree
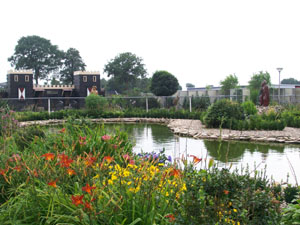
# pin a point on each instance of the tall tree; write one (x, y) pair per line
(189, 85)
(72, 62)
(230, 82)
(125, 68)
(38, 54)
(163, 83)
(255, 84)
(290, 81)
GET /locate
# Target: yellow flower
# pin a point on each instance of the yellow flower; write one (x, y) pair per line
(110, 182)
(97, 176)
(235, 210)
(203, 179)
(113, 177)
(238, 223)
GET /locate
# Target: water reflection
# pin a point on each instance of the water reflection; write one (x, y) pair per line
(153, 137)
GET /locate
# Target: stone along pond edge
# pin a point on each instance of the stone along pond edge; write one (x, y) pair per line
(195, 129)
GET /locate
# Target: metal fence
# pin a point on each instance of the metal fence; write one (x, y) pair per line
(190, 103)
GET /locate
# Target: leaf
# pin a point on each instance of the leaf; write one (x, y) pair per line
(136, 221)
(211, 163)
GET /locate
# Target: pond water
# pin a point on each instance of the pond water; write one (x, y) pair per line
(278, 159)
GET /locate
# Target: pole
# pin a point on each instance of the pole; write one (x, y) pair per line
(190, 101)
(49, 110)
(279, 88)
(147, 105)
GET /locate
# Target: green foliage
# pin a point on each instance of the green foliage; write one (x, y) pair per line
(24, 136)
(222, 112)
(291, 118)
(8, 122)
(230, 82)
(291, 214)
(189, 85)
(38, 54)
(291, 193)
(290, 81)
(163, 83)
(72, 62)
(95, 102)
(198, 103)
(221, 196)
(125, 69)
(249, 108)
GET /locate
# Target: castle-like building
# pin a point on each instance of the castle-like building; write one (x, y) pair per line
(20, 87)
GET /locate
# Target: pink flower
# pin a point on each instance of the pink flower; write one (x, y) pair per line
(105, 137)
(126, 157)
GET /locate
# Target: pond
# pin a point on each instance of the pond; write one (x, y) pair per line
(279, 160)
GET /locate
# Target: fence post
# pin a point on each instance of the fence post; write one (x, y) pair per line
(190, 101)
(49, 110)
(147, 104)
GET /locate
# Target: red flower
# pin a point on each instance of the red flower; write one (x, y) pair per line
(87, 188)
(226, 192)
(82, 140)
(196, 160)
(132, 162)
(87, 205)
(109, 159)
(48, 156)
(18, 168)
(71, 172)
(16, 157)
(77, 199)
(63, 130)
(126, 157)
(105, 137)
(53, 183)
(171, 217)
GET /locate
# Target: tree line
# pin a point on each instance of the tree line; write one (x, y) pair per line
(127, 73)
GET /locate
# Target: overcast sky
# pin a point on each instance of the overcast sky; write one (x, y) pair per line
(198, 41)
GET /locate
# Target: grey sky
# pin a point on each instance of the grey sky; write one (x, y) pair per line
(200, 42)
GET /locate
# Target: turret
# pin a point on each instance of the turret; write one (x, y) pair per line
(84, 81)
(20, 84)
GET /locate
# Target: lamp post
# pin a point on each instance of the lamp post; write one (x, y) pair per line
(279, 70)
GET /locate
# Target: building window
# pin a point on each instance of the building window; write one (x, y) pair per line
(26, 78)
(16, 78)
(84, 78)
(94, 78)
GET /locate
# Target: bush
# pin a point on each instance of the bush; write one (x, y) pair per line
(23, 137)
(249, 108)
(95, 102)
(222, 112)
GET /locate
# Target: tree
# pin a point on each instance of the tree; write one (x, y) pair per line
(189, 85)
(163, 83)
(125, 68)
(290, 81)
(255, 84)
(72, 62)
(230, 82)
(38, 54)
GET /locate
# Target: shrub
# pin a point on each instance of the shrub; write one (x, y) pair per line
(95, 102)
(222, 112)
(249, 108)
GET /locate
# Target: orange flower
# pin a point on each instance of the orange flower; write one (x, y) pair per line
(196, 160)
(109, 159)
(35, 173)
(105, 137)
(87, 188)
(77, 199)
(3, 172)
(18, 168)
(171, 217)
(48, 156)
(71, 172)
(53, 183)
(226, 192)
(175, 173)
(89, 160)
(63, 130)
(65, 161)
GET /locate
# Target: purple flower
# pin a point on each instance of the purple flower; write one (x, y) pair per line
(169, 158)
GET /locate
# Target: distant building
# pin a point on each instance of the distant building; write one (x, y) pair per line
(20, 86)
